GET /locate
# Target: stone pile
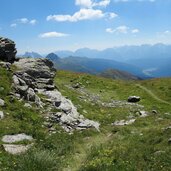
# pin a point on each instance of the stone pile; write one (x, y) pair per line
(35, 76)
(7, 50)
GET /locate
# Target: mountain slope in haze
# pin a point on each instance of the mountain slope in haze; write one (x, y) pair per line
(53, 57)
(118, 75)
(148, 57)
(32, 55)
(94, 66)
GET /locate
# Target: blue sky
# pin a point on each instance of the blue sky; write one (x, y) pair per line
(49, 25)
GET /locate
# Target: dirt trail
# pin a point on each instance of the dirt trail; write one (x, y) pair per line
(152, 94)
(77, 159)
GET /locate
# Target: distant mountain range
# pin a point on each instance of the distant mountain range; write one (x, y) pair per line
(151, 60)
(92, 66)
(31, 55)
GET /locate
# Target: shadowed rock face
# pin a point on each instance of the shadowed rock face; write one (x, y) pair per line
(7, 50)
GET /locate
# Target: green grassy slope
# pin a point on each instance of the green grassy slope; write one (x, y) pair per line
(140, 146)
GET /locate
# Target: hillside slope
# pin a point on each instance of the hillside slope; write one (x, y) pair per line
(141, 145)
(94, 66)
(118, 75)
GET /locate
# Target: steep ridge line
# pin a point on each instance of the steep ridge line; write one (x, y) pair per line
(152, 94)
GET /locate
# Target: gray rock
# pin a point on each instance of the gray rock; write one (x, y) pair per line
(36, 68)
(69, 117)
(7, 50)
(1, 115)
(154, 111)
(16, 138)
(2, 103)
(5, 65)
(134, 99)
(27, 105)
(16, 149)
(169, 141)
(31, 96)
(123, 122)
(38, 74)
(143, 113)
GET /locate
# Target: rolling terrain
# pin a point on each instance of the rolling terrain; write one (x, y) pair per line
(141, 145)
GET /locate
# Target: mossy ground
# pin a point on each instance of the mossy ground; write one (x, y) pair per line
(142, 146)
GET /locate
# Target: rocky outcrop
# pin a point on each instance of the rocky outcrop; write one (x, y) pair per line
(7, 50)
(35, 76)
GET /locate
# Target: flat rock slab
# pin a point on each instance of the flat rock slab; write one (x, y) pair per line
(16, 149)
(16, 138)
(123, 122)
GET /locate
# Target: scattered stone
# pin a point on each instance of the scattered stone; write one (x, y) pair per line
(159, 152)
(167, 128)
(154, 111)
(27, 105)
(134, 99)
(77, 85)
(123, 122)
(2, 103)
(69, 117)
(16, 138)
(143, 113)
(1, 115)
(16, 149)
(169, 141)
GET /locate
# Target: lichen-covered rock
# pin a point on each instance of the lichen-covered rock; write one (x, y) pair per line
(7, 50)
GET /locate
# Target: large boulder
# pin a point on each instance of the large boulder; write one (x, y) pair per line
(7, 50)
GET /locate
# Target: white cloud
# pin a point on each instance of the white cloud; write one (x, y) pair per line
(112, 15)
(122, 29)
(102, 3)
(33, 22)
(92, 3)
(82, 14)
(13, 25)
(134, 0)
(84, 3)
(110, 30)
(52, 34)
(135, 31)
(23, 20)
